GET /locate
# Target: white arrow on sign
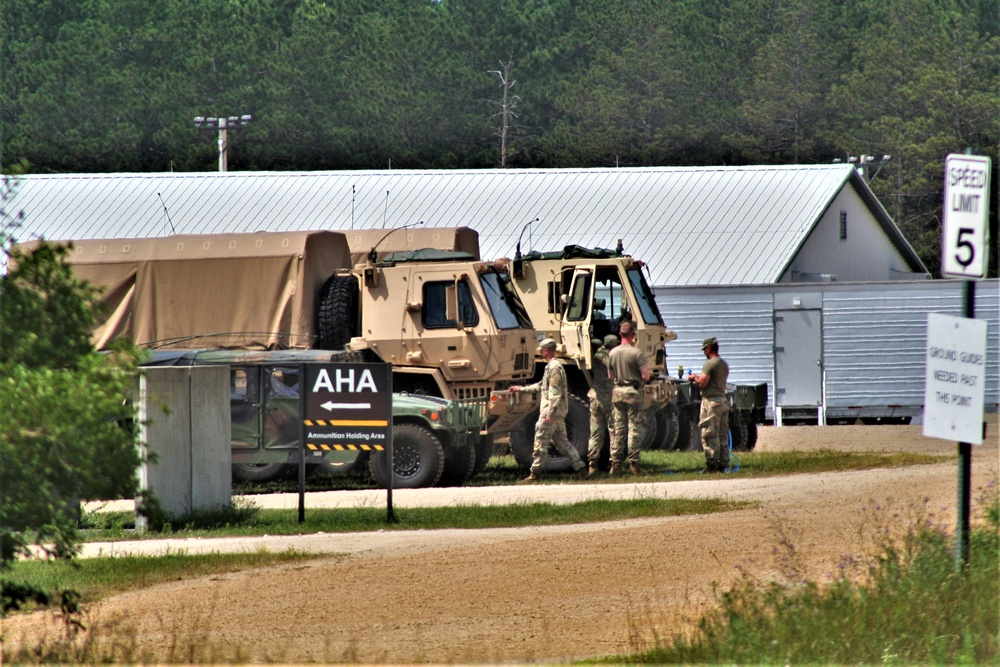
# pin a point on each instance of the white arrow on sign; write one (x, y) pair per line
(330, 405)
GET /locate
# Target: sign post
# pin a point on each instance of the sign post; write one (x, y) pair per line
(349, 407)
(954, 392)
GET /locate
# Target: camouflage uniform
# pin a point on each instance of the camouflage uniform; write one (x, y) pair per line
(554, 402)
(601, 411)
(627, 361)
(714, 418)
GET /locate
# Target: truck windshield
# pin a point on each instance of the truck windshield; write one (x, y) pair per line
(644, 297)
(507, 309)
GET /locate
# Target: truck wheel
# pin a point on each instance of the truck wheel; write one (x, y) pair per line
(522, 439)
(688, 433)
(418, 459)
(484, 450)
(652, 435)
(337, 315)
(738, 432)
(257, 472)
(671, 427)
(751, 436)
(459, 465)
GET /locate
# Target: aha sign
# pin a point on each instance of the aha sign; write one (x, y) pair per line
(954, 388)
(966, 220)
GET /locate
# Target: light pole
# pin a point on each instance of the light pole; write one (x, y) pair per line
(222, 125)
(865, 163)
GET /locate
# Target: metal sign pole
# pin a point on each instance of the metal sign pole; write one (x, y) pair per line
(390, 514)
(964, 460)
(302, 444)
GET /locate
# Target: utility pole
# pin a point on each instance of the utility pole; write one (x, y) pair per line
(223, 125)
(507, 106)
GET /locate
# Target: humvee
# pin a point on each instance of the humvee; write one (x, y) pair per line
(432, 437)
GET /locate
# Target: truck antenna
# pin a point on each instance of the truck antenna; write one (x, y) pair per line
(385, 211)
(373, 254)
(167, 213)
(352, 207)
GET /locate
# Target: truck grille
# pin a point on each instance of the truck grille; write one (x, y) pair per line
(523, 361)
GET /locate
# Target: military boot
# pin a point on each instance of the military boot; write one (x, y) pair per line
(581, 472)
(532, 478)
(634, 469)
(616, 468)
(595, 470)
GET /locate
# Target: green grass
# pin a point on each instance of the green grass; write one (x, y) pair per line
(102, 526)
(907, 604)
(95, 578)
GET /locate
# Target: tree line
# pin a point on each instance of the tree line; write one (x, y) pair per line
(114, 85)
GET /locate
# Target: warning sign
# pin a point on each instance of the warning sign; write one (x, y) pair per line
(954, 388)
(348, 407)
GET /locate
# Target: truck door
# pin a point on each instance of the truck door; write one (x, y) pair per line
(244, 407)
(282, 426)
(578, 313)
(449, 321)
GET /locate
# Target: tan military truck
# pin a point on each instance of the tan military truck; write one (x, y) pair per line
(450, 326)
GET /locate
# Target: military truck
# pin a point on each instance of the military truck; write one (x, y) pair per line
(463, 335)
(432, 437)
(574, 296)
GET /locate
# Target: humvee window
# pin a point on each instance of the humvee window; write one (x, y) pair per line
(434, 313)
(238, 385)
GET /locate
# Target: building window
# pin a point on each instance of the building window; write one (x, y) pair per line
(843, 225)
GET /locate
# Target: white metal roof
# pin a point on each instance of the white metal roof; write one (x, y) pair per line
(692, 225)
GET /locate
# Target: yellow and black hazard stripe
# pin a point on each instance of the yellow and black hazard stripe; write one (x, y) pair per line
(344, 448)
(345, 422)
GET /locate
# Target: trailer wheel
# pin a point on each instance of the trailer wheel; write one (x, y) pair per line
(258, 472)
(459, 465)
(751, 435)
(522, 439)
(418, 459)
(739, 432)
(337, 315)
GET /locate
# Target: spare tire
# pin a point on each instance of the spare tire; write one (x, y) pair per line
(337, 312)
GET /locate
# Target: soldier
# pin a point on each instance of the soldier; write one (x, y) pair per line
(629, 370)
(601, 411)
(554, 404)
(714, 420)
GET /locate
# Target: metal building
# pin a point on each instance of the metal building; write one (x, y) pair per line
(798, 269)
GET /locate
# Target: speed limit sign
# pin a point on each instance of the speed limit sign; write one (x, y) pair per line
(966, 241)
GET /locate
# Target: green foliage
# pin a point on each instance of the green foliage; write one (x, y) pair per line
(65, 431)
(113, 85)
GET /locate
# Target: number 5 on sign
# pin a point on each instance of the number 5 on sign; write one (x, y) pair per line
(966, 241)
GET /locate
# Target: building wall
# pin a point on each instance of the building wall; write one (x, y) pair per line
(873, 337)
(866, 254)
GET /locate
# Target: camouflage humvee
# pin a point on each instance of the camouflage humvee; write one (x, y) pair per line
(433, 438)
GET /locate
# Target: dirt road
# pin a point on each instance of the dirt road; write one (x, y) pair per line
(533, 594)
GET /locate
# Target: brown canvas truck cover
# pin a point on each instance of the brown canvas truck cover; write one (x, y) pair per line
(249, 291)
(386, 241)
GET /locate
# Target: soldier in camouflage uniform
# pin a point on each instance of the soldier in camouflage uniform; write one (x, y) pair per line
(628, 368)
(601, 411)
(714, 419)
(554, 405)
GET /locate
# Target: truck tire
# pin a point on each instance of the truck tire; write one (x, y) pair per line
(337, 314)
(751, 435)
(484, 450)
(522, 439)
(459, 465)
(738, 432)
(418, 459)
(688, 433)
(652, 435)
(671, 427)
(258, 472)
